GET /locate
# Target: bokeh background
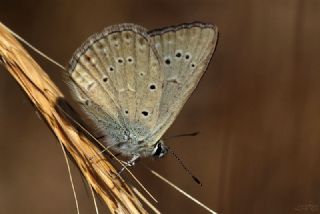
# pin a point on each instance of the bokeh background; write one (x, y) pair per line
(257, 108)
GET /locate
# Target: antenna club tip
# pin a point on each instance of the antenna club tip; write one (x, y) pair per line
(197, 180)
(195, 133)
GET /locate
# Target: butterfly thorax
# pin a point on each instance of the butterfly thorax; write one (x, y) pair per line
(131, 145)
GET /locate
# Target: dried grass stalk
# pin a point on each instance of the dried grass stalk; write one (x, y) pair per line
(44, 95)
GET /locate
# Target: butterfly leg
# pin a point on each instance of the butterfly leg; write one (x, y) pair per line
(130, 163)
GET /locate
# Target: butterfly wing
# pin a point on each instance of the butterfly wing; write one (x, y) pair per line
(117, 78)
(185, 51)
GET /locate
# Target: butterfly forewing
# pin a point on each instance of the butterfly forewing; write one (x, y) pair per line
(117, 78)
(185, 52)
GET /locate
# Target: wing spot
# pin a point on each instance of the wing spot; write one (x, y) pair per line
(105, 79)
(193, 65)
(127, 36)
(111, 68)
(88, 58)
(115, 42)
(99, 45)
(141, 74)
(167, 60)
(178, 54)
(152, 87)
(141, 41)
(141, 44)
(120, 60)
(187, 56)
(129, 59)
(126, 111)
(145, 113)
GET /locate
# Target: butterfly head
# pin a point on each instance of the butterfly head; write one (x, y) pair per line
(160, 149)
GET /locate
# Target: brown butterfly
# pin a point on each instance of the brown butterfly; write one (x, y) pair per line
(132, 83)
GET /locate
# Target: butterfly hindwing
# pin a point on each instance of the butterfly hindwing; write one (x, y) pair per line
(117, 78)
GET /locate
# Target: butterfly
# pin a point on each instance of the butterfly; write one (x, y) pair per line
(132, 83)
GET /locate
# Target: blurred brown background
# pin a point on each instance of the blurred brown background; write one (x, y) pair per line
(257, 108)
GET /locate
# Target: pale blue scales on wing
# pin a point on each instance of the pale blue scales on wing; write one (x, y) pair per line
(132, 83)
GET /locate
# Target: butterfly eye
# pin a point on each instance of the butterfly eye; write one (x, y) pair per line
(159, 150)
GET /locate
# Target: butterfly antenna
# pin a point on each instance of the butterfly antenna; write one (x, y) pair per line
(183, 135)
(185, 168)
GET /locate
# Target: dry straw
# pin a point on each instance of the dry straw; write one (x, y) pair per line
(44, 95)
